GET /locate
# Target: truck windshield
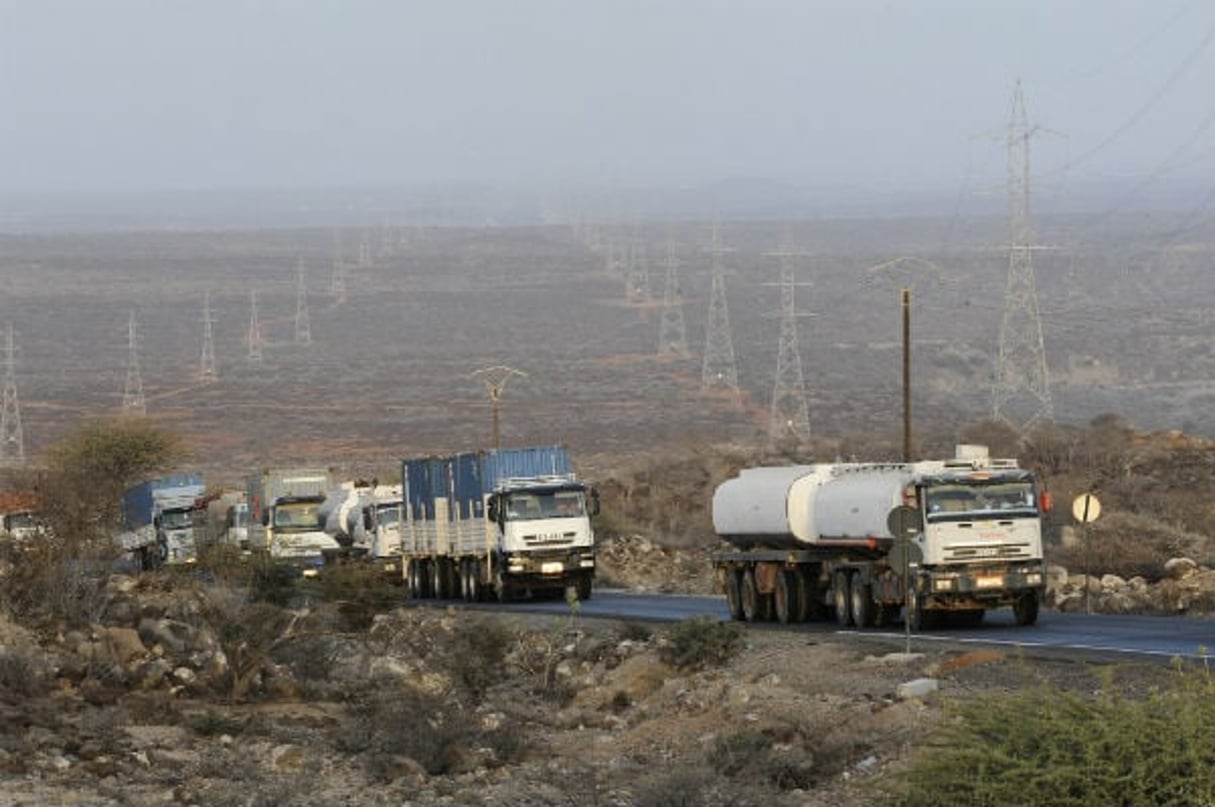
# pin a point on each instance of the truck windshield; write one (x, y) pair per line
(995, 499)
(548, 504)
(176, 519)
(386, 515)
(298, 516)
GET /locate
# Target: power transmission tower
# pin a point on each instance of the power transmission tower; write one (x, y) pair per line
(206, 367)
(719, 369)
(133, 401)
(672, 336)
(637, 281)
(254, 337)
(12, 441)
(303, 328)
(1021, 391)
(790, 416)
(494, 379)
(337, 281)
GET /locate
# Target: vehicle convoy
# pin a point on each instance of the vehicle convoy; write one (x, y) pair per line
(284, 506)
(815, 539)
(364, 518)
(159, 518)
(500, 523)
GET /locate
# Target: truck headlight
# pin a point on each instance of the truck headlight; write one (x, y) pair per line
(943, 584)
(1034, 578)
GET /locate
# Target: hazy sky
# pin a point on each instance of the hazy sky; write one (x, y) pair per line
(169, 94)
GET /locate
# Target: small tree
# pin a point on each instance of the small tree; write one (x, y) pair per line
(62, 576)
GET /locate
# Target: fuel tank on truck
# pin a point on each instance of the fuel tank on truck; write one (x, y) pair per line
(796, 506)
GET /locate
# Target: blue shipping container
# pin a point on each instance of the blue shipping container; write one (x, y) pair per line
(518, 463)
(138, 500)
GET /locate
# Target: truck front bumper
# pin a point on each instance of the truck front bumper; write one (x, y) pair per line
(550, 566)
(982, 586)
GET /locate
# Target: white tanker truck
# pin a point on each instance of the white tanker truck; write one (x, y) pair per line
(866, 540)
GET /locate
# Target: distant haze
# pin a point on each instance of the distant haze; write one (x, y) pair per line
(147, 95)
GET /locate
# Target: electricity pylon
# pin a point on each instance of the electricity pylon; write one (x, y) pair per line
(337, 281)
(1021, 390)
(494, 379)
(790, 415)
(254, 337)
(637, 281)
(303, 328)
(133, 401)
(719, 369)
(12, 440)
(206, 367)
(672, 336)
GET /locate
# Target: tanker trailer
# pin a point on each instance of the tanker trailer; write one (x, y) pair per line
(812, 541)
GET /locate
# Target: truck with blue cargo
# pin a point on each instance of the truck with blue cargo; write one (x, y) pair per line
(502, 523)
(285, 526)
(815, 540)
(159, 518)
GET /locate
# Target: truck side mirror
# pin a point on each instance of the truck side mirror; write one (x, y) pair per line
(266, 517)
(491, 510)
(594, 503)
(1045, 501)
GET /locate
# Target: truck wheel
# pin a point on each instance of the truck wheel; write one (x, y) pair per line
(864, 611)
(585, 586)
(734, 594)
(785, 597)
(843, 612)
(750, 597)
(1025, 609)
(921, 618)
(801, 590)
(463, 575)
(412, 590)
(502, 588)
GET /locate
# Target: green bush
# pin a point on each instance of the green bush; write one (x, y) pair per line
(701, 642)
(1044, 747)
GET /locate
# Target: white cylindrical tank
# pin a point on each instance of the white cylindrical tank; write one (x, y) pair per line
(800, 505)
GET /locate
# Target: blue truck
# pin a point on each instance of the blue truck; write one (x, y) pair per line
(504, 523)
(158, 520)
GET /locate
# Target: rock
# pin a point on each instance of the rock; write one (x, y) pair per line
(1180, 568)
(123, 644)
(917, 688)
(1112, 582)
(287, 758)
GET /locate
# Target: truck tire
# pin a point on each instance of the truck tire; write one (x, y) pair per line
(750, 597)
(503, 589)
(585, 586)
(784, 599)
(860, 602)
(802, 591)
(1025, 609)
(734, 594)
(843, 609)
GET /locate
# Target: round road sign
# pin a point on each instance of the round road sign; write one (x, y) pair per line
(1086, 508)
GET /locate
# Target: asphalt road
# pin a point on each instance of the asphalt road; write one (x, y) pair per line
(1056, 634)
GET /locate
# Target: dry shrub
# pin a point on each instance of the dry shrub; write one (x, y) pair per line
(24, 671)
(1130, 545)
(1045, 747)
(701, 642)
(391, 721)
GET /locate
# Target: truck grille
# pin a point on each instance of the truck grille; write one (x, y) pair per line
(550, 538)
(982, 552)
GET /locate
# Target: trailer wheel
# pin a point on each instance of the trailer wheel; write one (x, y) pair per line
(411, 580)
(801, 589)
(502, 588)
(734, 594)
(839, 590)
(785, 597)
(864, 611)
(1025, 609)
(475, 594)
(921, 618)
(750, 597)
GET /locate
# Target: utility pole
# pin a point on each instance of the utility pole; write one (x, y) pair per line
(206, 368)
(133, 401)
(12, 440)
(1021, 391)
(719, 369)
(907, 271)
(672, 336)
(790, 415)
(303, 328)
(254, 337)
(494, 379)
